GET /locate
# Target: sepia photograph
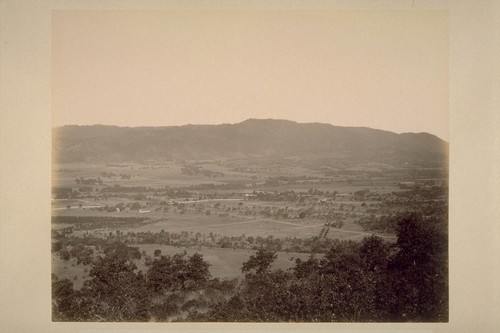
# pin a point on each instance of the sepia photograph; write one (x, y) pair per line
(250, 166)
(228, 166)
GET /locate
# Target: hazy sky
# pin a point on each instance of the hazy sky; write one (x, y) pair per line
(386, 70)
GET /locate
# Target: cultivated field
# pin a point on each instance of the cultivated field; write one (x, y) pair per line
(225, 210)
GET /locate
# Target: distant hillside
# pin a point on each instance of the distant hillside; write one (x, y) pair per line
(252, 138)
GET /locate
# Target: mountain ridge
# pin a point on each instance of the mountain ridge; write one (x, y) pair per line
(252, 138)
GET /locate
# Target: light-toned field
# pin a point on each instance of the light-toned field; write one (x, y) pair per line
(224, 263)
(155, 176)
(231, 225)
(69, 270)
(227, 216)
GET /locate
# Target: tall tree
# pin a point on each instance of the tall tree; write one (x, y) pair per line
(119, 293)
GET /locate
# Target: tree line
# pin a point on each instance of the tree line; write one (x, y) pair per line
(367, 281)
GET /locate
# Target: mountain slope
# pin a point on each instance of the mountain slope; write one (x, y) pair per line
(252, 138)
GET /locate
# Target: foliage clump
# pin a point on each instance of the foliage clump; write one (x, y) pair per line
(367, 281)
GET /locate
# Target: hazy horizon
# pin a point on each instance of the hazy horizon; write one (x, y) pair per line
(239, 122)
(382, 70)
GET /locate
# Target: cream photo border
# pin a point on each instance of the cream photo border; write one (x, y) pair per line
(25, 164)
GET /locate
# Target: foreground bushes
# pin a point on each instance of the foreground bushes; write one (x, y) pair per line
(354, 282)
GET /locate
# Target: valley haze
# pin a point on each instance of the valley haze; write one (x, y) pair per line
(265, 220)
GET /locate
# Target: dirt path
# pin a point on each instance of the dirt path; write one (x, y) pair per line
(205, 200)
(301, 226)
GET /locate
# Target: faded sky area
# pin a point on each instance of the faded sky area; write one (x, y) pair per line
(386, 70)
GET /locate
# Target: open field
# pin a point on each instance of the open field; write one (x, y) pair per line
(231, 225)
(218, 208)
(158, 176)
(224, 263)
(70, 270)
